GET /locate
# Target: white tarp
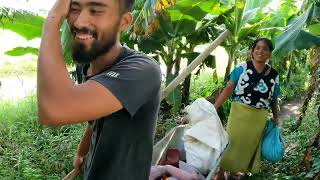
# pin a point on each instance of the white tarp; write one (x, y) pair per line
(205, 139)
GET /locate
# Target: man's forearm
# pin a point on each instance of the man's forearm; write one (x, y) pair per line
(84, 144)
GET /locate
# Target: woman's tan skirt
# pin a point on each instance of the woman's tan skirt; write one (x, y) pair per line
(245, 128)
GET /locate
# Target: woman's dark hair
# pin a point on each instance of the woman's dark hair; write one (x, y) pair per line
(266, 40)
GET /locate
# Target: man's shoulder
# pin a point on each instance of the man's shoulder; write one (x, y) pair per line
(133, 58)
(136, 55)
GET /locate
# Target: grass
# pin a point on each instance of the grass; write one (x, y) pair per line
(202, 85)
(29, 150)
(296, 144)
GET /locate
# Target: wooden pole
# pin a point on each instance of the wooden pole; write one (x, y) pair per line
(196, 62)
(70, 176)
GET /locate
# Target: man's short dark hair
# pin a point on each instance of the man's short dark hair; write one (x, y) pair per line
(126, 5)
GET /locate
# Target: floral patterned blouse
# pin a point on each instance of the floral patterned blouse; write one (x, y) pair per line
(266, 89)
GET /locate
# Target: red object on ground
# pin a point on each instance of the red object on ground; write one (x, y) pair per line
(172, 158)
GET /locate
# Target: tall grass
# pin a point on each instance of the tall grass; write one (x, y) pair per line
(202, 85)
(29, 150)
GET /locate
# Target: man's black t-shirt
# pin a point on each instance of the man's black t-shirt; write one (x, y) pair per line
(121, 143)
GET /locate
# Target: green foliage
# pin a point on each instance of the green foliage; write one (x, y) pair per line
(315, 29)
(31, 151)
(29, 26)
(164, 126)
(296, 144)
(20, 51)
(66, 42)
(25, 24)
(296, 86)
(315, 169)
(172, 29)
(202, 86)
(295, 37)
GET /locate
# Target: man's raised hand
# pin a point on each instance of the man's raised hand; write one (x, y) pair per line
(59, 11)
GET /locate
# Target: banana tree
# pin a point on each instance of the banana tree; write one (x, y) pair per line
(298, 36)
(243, 23)
(279, 19)
(171, 30)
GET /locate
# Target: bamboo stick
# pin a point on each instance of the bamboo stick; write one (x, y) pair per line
(70, 176)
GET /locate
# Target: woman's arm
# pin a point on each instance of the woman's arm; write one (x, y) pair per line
(227, 91)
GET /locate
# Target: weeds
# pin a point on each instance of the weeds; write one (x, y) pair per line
(29, 150)
(296, 143)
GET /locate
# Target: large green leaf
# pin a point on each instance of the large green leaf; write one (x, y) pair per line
(238, 12)
(125, 38)
(248, 30)
(315, 29)
(151, 45)
(28, 25)
(66, 42)
(253, 4)
(248, 15)
(20, 51)
(284, 15)
(305, 40)
(293, 36)
(176, 15)
(194, 10)
(186, 27)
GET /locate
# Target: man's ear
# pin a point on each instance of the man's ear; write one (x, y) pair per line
(126, 21)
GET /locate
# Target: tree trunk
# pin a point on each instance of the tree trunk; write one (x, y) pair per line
(186, 89)
(315, 56)
(169, 74)
(174, 98)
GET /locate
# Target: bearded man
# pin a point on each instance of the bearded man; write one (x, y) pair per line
(119, 92)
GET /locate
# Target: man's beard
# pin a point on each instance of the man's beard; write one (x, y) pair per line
(82, 55)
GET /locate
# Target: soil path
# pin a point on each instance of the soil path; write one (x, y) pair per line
(291, 109)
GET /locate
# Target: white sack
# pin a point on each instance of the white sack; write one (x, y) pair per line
(206, 138)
